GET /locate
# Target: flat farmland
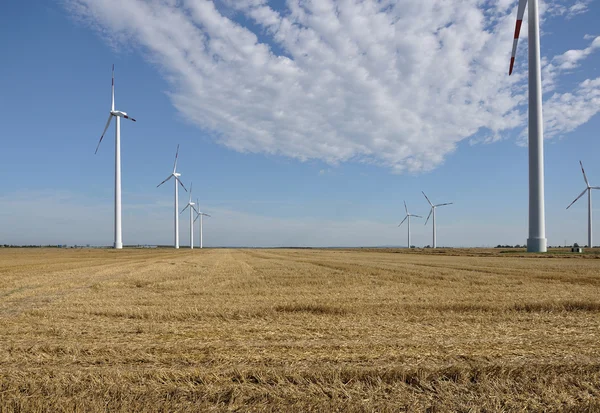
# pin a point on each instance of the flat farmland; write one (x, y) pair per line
(298, 330)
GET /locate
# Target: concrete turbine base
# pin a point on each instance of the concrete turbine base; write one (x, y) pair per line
(537, 245)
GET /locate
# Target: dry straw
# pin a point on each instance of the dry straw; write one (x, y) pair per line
(297, 330)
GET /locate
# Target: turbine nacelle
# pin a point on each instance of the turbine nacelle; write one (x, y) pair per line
(200, 214)
(433, 207)
(174, 174)
(408, 215)
(113, 112)
(121, 114)
(190, 203)
(588, 187)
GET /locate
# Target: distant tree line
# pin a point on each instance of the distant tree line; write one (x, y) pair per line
(32, 246)
(575, 245)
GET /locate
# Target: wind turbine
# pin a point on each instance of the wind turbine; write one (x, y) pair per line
(200, 214)
(175, 175)
(190, 205)
(432, 211)
(408, 215)
(118, 244)
(589, 191)
(537, 222)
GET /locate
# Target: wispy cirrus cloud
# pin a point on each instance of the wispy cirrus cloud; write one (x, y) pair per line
(573, 58)
(551, 70)
(579, 7)
(564, 112)
(395, 83)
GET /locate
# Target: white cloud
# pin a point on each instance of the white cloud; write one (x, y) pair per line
(579, 7)
(572, 58)
(395, 83)
(567, 8)
(566, 111)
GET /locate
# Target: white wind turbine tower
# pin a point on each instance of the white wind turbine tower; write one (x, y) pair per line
(178, 182)
(432, 211)
(118, 244)
(589, 191)
(407, 217)
(190, 205)
(537, 222)
(200, 214)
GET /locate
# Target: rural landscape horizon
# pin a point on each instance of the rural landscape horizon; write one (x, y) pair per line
(299, 206)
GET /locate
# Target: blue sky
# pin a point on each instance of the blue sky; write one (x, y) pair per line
(289, 148)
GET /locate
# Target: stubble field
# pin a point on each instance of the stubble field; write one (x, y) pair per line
(298, 330)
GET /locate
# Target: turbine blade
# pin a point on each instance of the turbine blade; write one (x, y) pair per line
(427, 198)
(181, 183)
(197, 216)
(169, 177)
(418, 216)
(405, 218)
(186, 207)
(130, 118)
(405, 208)
(176, 155)
(594, 187)
(105, 128)
(112, 90)
(584, 177)
(195, 210)
(206, 215)
(580, 195)
(430, 211)
(191, 183)
(447, 203)
(520, 14)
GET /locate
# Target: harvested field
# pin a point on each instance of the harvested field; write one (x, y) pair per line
(298, 330)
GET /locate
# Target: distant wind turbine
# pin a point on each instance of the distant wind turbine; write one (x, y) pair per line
(432, 211)
(589, 192)
(190, 205)
(407, 217)
(118, 243)
(200, 214)
(178, 182)
(537, 222)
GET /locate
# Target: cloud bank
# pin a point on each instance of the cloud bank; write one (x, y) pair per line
(394, 83)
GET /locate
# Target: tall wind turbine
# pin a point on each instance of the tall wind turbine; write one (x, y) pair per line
(537, 222)
(589, 191)
(178, 182)
(190, 205)
(432, 211)
(407, 217)
(118, 244)
(200, 214)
